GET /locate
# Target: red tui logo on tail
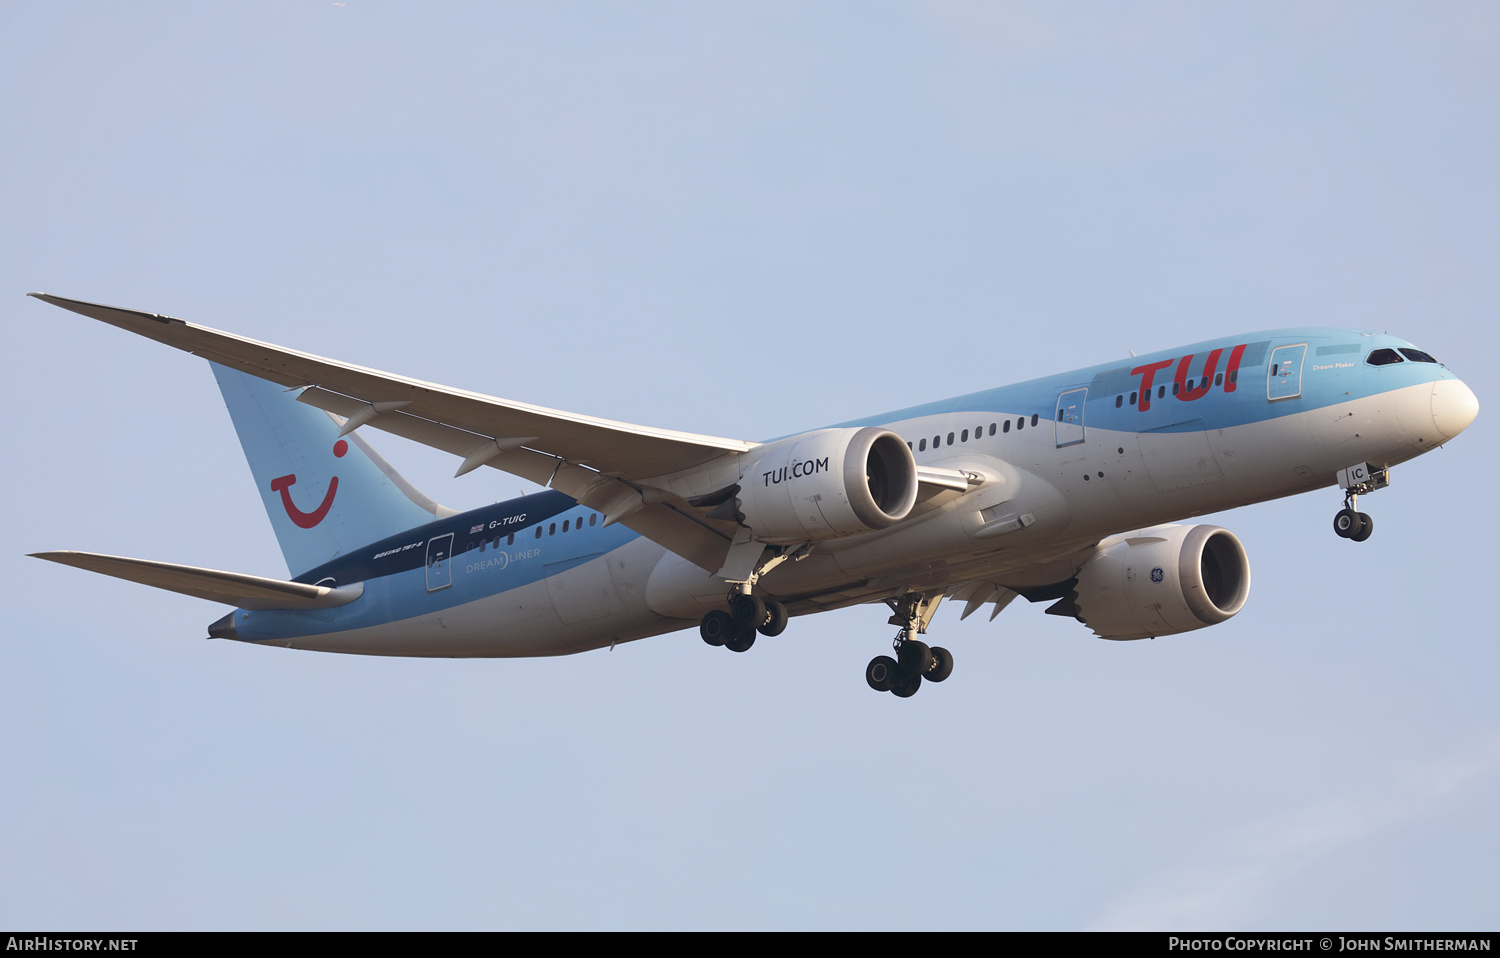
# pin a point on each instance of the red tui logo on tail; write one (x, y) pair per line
(306, 520)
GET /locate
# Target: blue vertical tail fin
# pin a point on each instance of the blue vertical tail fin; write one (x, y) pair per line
(325, 494)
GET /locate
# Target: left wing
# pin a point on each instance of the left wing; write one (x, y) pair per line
(605, 465)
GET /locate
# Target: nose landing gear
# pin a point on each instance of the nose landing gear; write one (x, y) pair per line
(1349, 524)
(1358, 480)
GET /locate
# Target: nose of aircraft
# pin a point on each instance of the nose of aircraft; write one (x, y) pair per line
(1454, 406)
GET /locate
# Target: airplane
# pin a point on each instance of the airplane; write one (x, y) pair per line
(1068, 489)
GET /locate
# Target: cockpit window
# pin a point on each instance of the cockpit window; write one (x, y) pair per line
(1383, 357)
(1417, 356)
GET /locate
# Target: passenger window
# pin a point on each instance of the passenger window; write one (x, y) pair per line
(538, 532)
(1161, 392)
(552, 529)
(1034, 418)
(1234, 376)
(964, 437)
(1380, 357)
(1133, 397)
(1119, 401)
(1020, 423)
(483, 543)
(1176, 388)
(1417, 356)
(510, 540)
(1219, 380)
(1007, 425)
(593, 517)
(937, 441)
(565, 525)
(922, 446)
(950, 438)
(992, 429)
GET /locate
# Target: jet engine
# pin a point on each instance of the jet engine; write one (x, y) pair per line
(828, 484)
(1161, 581)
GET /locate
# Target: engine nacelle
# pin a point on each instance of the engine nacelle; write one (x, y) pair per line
(1161, 581)
(828, 484)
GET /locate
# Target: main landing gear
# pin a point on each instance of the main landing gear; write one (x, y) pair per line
(748, 614)
(914, 660)
(1358, 480)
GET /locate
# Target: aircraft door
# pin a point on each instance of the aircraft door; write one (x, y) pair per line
(1070, 416)
(439, 562)
(1284, 375)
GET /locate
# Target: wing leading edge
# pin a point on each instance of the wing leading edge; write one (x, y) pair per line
(605, 465)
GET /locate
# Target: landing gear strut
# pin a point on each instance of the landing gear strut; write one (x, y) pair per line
(1358, 480)
(915, 660)
(748, 613)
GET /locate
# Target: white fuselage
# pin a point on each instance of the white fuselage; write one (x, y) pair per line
(1038, 512)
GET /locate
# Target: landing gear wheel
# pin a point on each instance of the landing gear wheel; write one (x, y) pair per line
(1365, 530)
(776, 618)
(881, 673)
(741, 641)
(1346, 523)
(915, 657)
(942, 665)
(747, 611)
(716, 628)
(907, 688)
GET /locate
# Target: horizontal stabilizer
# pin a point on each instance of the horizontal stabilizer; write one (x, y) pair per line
(233, 588)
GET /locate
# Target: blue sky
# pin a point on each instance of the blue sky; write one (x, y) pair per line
(743, 221)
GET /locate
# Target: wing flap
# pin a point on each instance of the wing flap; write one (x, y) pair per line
(528, 464)
(653, 513)
(232, 588)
